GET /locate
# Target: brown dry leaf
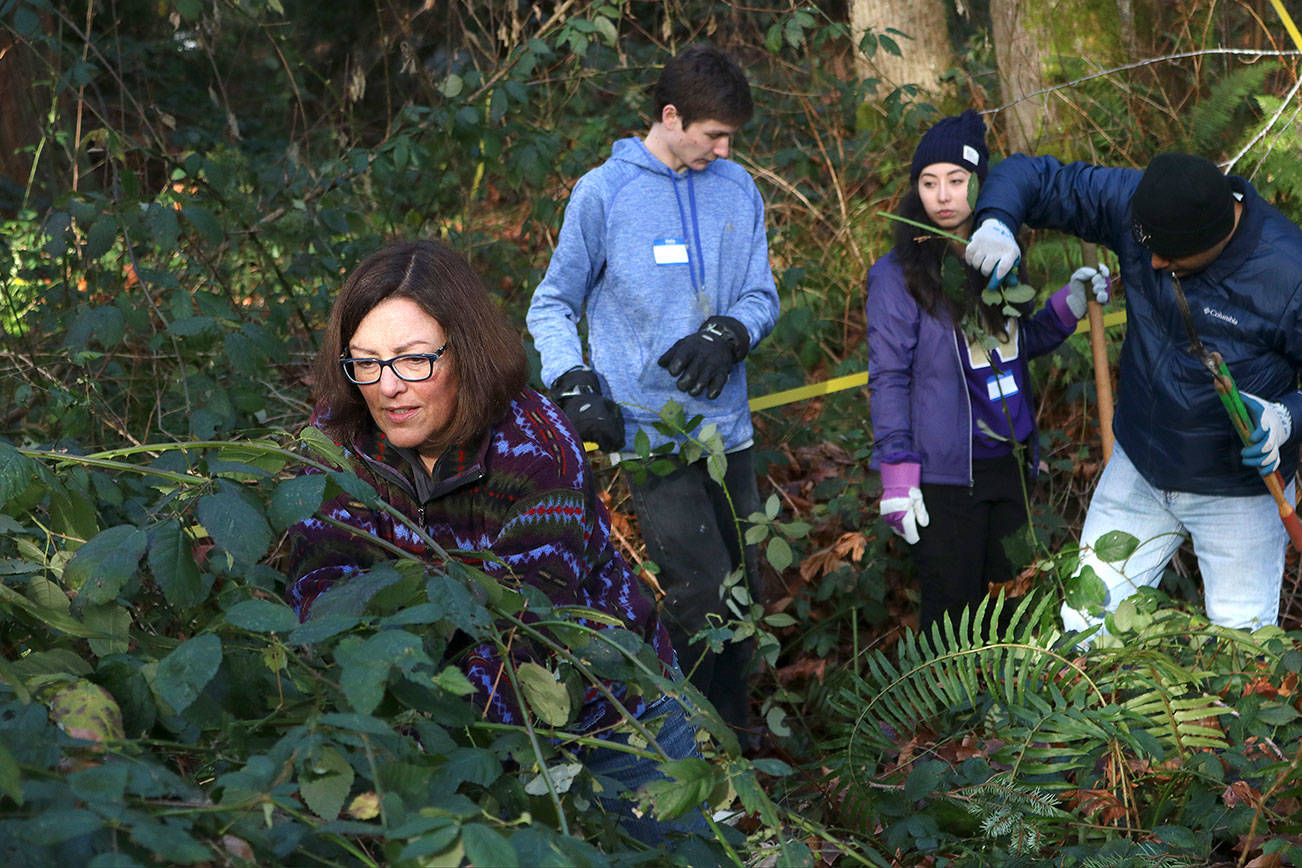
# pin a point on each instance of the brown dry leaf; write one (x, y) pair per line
(1103, 803)
(969, 747)
(1240, 792)
(820, 563)
(237, 847)
(1266, 860)
(805, 667)
(852, 544)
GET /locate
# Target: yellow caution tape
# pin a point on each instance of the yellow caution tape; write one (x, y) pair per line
(1109, 319)
(1288, 23)
(855, 381)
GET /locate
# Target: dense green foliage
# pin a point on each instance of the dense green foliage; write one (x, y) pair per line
(190, 182)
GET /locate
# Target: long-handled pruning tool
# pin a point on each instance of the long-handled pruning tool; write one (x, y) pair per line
(1233, 403)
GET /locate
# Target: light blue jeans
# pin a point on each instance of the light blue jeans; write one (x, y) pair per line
(1239, 542)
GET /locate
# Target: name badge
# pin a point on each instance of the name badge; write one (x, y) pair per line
(670, 251)
(1001, 386)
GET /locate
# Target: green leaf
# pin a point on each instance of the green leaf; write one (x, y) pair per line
(317, 442)
(1019, 294)
(351, 597)
(171, 560)
(691, 781)
(451, 86)
(1123, 617)
(779, 553)
(203, 220)
(54, 826)
(47, 594)
(319, 629)
(104, 564)
(1085, 589)
(1115, 545)
(262, 616)
(1277, 715)
(17, 472)
(716, 464)
(473, 764)
(454, 681)
(107, 783)
(172, 844)
(87, 711)
(776, 720)
(235, 525)
(164, 228)
(103, 232)
(351, 722)
(113, 623)
(296, 499)
(183, 674)
(326, 783)
(923, 780)
(606, 28)
(190, 326)
(104, 325)
(973, 191)
(546, 696)
(10, 777)
(484, 846)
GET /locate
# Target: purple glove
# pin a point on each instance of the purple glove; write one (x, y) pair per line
(902, 506)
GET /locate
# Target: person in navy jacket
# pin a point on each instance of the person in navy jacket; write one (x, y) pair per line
(1178, 467)
(951, 389)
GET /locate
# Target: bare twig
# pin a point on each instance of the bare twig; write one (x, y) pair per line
(1255, 54)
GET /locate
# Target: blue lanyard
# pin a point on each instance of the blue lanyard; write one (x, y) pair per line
(695, 230)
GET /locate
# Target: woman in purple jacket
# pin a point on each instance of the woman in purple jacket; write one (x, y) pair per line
(950, 384)
(422, 381)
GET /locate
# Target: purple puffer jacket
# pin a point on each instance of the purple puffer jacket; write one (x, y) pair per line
(920, 405)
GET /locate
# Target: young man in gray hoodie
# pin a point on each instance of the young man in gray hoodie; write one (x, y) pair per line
(663, 249)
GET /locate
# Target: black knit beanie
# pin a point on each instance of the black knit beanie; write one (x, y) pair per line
(1183, 205)
(959, 139)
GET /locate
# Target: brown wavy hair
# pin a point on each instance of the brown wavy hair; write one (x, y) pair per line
(485, 355)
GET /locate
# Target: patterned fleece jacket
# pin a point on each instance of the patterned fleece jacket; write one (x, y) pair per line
(526, 495)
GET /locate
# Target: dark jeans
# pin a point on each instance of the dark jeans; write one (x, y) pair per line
(691, 534)
(961, 551)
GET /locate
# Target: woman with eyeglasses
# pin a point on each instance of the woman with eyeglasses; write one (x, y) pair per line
(423, 382)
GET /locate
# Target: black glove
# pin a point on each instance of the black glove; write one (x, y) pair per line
(704, 358)
(597, 418)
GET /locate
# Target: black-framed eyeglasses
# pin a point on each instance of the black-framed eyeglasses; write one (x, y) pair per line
(412, 367)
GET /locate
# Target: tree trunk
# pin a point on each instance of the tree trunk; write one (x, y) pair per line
(926, 55)
(19, 125)
(1022, 50)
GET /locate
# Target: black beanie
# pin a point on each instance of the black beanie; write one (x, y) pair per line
(960, 139)
(1183, 205)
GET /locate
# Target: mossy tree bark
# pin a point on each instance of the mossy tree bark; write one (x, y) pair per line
(925, 56)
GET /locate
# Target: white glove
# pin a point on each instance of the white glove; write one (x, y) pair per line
(992, 249)
(1095, 279)
(1274, 425)
(902, 507)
